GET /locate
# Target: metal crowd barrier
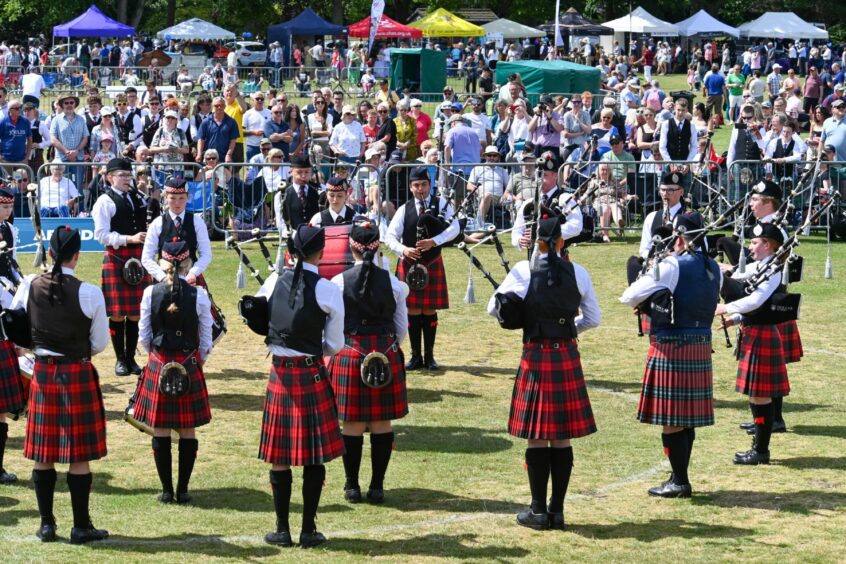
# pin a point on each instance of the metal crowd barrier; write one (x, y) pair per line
(18, 176)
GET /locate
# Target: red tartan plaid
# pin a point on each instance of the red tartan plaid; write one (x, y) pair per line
(12, 396)
(67, 420)
(122, 299)
(550, 401)
(435, 295)
(791, 342)
(300, 422)
(159, 411)
(357, 402)
(761, 371)
(678, 382)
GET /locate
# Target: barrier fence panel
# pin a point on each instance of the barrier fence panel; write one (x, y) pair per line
(17, 177)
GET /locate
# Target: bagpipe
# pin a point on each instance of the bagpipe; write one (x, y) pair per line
(429, 225)
(35, 217)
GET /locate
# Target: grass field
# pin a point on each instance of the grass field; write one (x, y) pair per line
(457, 479)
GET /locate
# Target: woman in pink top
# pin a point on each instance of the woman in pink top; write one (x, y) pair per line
(812, 90)
(424, 122)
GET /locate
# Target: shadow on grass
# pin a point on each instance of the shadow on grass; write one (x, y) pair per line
(821, 462)
(658, 529)
(102, 484)
(802, 502)
(236, 374)
(613, 385)
(422, 499)
(420, 395)
(743, 403)
(838, 431)
(211, 545)
(450, 439)
(480, 370)
(246, 499)
(460, 547)
(237, 402)
(12, 518)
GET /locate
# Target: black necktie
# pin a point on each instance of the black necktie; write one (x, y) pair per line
(545, 199)
(128, 200)
(302, 195)
(420, 207)
(339, 219)
(178, 222)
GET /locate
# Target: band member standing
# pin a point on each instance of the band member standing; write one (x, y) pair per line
(67, 420)
(419, 243)
(300, 423)
(300, 201)
(761, 371)
(175, 328)
(338, 212)
(550, 404)
(120, 225)
(375, 320)
(9, 270)
(677, 390)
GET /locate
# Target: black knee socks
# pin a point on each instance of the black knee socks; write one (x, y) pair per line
(677, 450)
(187, 456)
(280, 482)
(4, 433)
(381, 445)
(777, 405)
(763, 415)
(537, 466)
(45, 484)
(352, 460)
(164, 462)
(691, 437)
(80, 490)
(313, 477)
(118, 334)
(430, 329)
(131, 338)
(415, 329)
(560, 468)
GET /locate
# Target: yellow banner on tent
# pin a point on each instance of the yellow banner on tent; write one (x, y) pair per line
(442, 23)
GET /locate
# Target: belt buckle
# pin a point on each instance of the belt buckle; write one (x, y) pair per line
(309, 361)
(394, 347)
(556, 345)
(317, 378)
(288, 364)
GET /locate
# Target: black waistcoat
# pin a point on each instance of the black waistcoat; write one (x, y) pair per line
(345, 217)
(409, 229)
(551, 310)
(300, 327)
(61, 328)
(179, 330)
(188, 233)
(373, 315)
(6, 268)
(128, 220)
(678, 142)
(293, 210)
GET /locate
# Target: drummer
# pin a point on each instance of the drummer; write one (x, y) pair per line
(338, 212)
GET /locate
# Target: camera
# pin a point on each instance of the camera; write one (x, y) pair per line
(541, 108)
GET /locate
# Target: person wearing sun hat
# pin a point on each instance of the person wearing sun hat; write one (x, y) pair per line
(66, 423)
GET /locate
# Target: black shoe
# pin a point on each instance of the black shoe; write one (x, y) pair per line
(279, 538)
(6, 478)
(556, 519)
(47, 532)
(779, 426)
(375, 496)
(430, 362)
(121, 368)
(536, 521)
(309, 540)
(353, 495)
(670, 489)
(87, 534)
(183, 498)
(416, 362)
(165, 497)
(749, 425)
(133, 366)
(752, 457)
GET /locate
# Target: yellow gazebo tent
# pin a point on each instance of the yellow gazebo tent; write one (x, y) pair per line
(441, 23)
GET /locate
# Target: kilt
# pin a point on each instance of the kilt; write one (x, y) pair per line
(122, 300)
(159, 411)
(435, 295)
(12, 396)
(67, 420)
(300, 423)
(550, 400)
(357, 402)
(761, 371)
(678, 382)
(791, 342)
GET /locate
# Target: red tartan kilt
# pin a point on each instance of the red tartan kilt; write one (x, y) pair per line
(358, 402)
(550, 400)
(761, 371)
(678, 382)
(159, 411)
(300, 421)
(791, 342)
(435, 295)
(122, 299)
(66, 421)
(12, 391)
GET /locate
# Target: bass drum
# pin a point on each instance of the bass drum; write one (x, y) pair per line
(337, 256)
(26, 363)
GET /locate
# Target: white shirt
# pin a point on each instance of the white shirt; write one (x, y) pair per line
(349, 137)
(400, 291)
(480, 124)
(32, 84)
(646, 233)
(395, 229)
(798, 148)
(329, 299)
(103, 211)
(489, 179)
(317, 220)
(54, 194)
(730, 158)
(136, 134)
(151, 246)
(756, 299)
(203, 307)
(15, 239)
(518, 280)
(570, 228)
(254, 119)
(645, 286)
(694, 139)
(92, 304)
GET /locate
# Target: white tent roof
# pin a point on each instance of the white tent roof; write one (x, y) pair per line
(779, 25)
(512, 30)
(195, 28)
(703, 22)
(641, 21)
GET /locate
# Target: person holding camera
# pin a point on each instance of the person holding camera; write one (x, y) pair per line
(546, 127)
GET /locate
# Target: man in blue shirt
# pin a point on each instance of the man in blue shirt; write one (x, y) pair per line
(276, 129)
(834, 137)
(461, 146)
(218, 131)
(714, 88)
(15, 135)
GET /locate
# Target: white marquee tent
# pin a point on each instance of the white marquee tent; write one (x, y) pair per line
(703, 23)
(641, 21)
(511, 30)
(195, 28)
(778, 25)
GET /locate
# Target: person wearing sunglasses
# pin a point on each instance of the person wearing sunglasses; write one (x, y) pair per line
(15, 134)
(219, 131)
(253, 123)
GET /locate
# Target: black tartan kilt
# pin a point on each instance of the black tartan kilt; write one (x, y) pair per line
(159, 411)
(358, 402)
(12, 395)
(122, 299)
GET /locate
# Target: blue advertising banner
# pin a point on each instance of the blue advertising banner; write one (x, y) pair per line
(26, 234)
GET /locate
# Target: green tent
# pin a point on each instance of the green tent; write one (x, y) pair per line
(551, 77)
(421, 70)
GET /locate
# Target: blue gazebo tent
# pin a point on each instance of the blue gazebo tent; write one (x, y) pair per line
(306, 23)
(93, 23)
